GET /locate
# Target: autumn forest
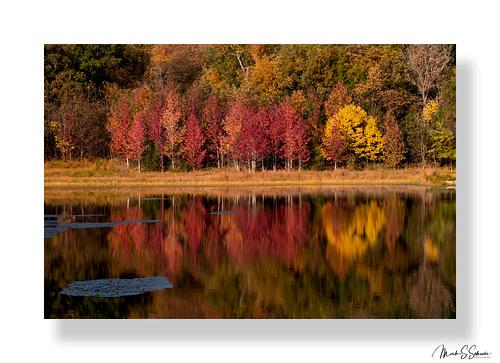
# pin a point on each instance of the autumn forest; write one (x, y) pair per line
(250, 181)
(251, 107)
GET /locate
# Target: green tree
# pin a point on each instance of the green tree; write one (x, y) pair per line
(443, 144)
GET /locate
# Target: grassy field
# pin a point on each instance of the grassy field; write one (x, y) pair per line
(110, 173)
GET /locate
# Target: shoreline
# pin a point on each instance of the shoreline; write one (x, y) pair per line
(121, 194)
(132, 184)
(110, 174)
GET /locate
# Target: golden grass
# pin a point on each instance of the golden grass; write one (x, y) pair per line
(110, 173)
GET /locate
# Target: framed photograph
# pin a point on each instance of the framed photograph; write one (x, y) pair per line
(250, 181)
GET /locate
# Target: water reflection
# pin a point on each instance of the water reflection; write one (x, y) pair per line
(328, 254)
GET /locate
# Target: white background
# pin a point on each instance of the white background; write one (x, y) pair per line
(26, 26)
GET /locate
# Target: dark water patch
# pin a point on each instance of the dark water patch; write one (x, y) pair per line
(116, 287)
(223, 212)
(51, 216)
(78, 225)
(51, 231)
(51, 228)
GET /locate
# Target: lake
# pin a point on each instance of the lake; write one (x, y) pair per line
(344, 252)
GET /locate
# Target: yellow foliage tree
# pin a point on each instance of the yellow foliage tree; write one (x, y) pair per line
(430, 109)
(266, 78)
(365, 139)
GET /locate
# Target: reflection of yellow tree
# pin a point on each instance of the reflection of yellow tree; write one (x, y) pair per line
(349, 236)
(431, 251)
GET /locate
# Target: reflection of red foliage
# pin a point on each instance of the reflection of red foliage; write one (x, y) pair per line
(139, 239)
(173, 252)
(125, 238)
(194, 222)
(277, 234)
(253, 233)
(156, 236)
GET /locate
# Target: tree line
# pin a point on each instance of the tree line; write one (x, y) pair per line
(251, 106)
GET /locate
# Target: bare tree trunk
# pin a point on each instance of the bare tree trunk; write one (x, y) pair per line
(127, 163)
(245, 70)
(139, 164)
(422, 142)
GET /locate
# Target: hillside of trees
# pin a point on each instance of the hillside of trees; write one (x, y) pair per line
(252, 107)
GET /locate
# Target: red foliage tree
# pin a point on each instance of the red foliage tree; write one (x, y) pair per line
(118, 126)
(252, 145)
(136, 138)
(193, 100)
(296, 137)
(263, 142)
(335, 143)
(171, 122)
(194, 143)
(275, 132)
(213, 114)
(232, 126)
(156, 132)
(127, 124)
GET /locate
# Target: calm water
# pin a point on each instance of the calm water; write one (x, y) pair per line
(276, 253)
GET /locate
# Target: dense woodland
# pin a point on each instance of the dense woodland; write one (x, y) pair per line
(251, 107)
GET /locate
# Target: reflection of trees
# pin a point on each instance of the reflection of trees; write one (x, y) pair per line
(353, 231)
(350, 232)
(302, 256)
(394, 211)
(131, 246)
(429, 297)
(194, 221)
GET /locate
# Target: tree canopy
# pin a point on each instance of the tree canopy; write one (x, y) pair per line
(275, 106)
